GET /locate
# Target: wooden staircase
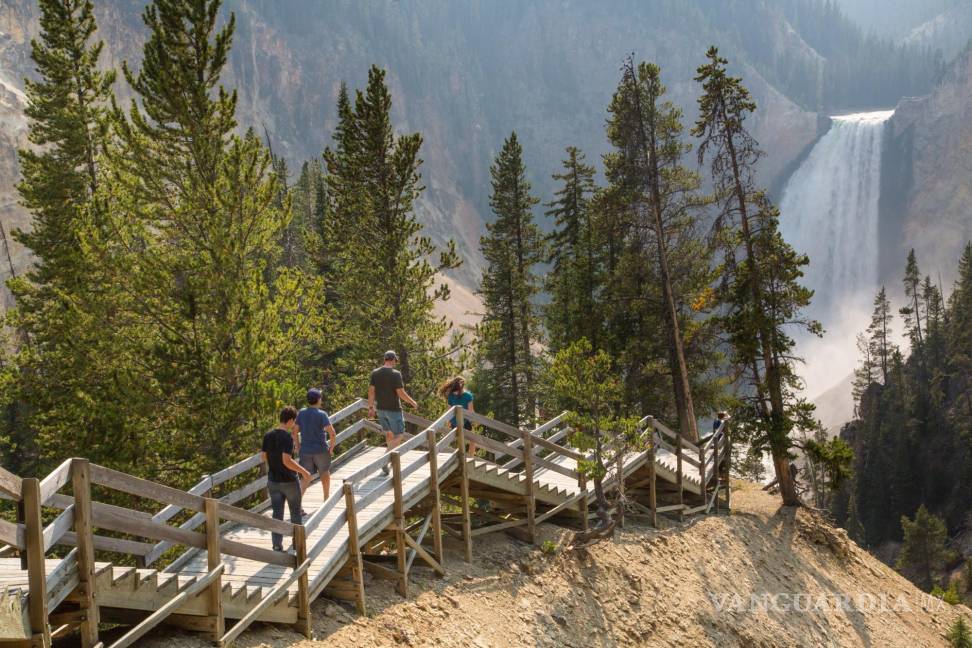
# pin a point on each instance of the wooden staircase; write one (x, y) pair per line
(383, 523)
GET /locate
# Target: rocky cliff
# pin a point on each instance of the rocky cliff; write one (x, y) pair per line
(927, 195)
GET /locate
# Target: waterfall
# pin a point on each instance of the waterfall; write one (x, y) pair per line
(829, 211)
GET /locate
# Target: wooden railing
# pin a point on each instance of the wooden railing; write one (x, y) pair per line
(150, 535)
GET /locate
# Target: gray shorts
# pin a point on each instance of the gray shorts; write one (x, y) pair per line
(392, 421)
(316, 463)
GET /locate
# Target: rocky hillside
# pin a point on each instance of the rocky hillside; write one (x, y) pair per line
(761, 577)
(927, 180)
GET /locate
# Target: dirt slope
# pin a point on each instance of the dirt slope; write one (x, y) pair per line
(646, 588)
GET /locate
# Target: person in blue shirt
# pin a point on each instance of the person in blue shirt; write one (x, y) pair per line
(455, 392)
(315, 451)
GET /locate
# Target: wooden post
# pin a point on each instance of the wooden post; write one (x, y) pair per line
(36, 572)
(582, 486)
(22, 519)
(678, 473)
(464, 485)
(702, 482)
(399, 510)
(303, 624)
(434, 496)
(81, 484)
(213, 560)
(727, 460)
(354, 550)
(531, 502)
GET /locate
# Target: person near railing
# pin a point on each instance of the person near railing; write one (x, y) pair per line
(721, 417)
(315, 449)
(454, 392)
(282, 471)
(387, 390)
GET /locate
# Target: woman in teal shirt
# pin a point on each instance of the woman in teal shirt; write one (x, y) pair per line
(455, 392)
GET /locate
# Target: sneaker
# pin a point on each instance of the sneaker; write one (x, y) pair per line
(303, 513)
(278, 549)
(385, 469)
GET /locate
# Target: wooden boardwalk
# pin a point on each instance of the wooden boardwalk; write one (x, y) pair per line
(227, 574)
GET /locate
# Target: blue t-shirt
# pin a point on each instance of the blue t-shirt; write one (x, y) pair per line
(462, 400)
(313, 436)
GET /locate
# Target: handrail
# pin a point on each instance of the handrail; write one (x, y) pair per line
(11, 485)
(271, 597)
(411, 444)
(166, 494)
(553, 438)
(311, 523)
(686, 445)
(492, 424)
(13, 534)
(54, 531)
(55, 481)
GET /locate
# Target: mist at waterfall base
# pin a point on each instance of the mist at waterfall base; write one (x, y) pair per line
(829, 211)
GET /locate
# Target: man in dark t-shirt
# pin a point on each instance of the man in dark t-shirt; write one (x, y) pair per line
(282, 470)
(388, 389)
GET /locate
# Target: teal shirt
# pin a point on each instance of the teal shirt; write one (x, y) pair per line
(462, 400)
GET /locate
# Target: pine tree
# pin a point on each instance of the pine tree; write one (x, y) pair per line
(923, 551)
(761, 289)
(912, 312)
(574, 255)
(959, 634)
(196, 225)
(646, 172)
(879, 331)
(959, 340)
(64, 364)
(512, 247)
(584, 382)
(381, 263)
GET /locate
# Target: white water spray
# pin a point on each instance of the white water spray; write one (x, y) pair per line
(829, 211)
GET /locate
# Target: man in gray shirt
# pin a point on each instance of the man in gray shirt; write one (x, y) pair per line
(388, 389)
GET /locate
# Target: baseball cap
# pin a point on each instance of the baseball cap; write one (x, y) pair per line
(313, 395)
(391, 355)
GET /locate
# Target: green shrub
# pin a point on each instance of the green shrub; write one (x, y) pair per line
(549, 547)
(959, 635)
(950, 595)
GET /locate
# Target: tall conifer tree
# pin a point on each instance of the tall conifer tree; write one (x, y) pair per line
(65, 363)
(384, 267)
(761, 293)
(512, 247)
(197, 223)
(574, 246)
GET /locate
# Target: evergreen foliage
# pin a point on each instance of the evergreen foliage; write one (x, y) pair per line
(507, 366)
(923, 552)
(380, 266)
(63, 376)
(584, 382)
(911, 434)
(760, 291)
(959, 634)
(574, 246)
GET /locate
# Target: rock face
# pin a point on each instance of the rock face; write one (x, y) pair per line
(463, 74)
(927, 180)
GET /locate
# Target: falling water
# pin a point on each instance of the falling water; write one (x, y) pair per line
(829, 211)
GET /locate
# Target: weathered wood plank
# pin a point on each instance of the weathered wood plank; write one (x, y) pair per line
(55, 481)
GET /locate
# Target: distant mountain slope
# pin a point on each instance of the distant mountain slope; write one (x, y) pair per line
(466, 73)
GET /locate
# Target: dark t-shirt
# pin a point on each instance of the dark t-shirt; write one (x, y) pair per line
(313, 438)
(277, 443)
(387, 382)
